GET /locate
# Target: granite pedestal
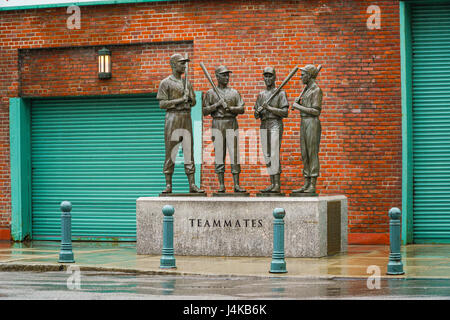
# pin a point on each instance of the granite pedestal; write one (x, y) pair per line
(233, 226)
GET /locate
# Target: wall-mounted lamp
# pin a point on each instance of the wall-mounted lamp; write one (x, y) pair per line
(104, 64)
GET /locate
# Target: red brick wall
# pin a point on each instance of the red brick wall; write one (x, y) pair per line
(361, 119)
(137, 68)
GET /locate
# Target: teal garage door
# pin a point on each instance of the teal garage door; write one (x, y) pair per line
(431, 122)
(101, 154)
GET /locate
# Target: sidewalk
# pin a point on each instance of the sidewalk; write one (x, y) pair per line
(419, 261)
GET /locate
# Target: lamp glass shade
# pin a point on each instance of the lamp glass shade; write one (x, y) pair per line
(104, 64)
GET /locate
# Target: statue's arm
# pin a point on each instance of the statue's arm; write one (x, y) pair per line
(256, 113)
(316, 104)
(257, 106)
(283, 111)
(192, 100)
(170, 104)
(239, 108)
(163, 97)
(312, 111)
(207, 106)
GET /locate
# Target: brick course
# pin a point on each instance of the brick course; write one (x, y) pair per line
(361, 118)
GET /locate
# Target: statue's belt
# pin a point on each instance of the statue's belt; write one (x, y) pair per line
(184, 111)
(224, 118)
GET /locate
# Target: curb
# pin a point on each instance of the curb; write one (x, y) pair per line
(15, 267)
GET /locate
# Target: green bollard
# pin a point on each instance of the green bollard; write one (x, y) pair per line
(278, 264)
(395, 265)
(168, 259)
(66, 254)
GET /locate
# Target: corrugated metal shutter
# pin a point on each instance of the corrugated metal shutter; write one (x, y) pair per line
(431, 122)
(101, 154)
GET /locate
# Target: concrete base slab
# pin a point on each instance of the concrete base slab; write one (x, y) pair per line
(193, 194)
(228, 226)
(231, 194)
(303, 194)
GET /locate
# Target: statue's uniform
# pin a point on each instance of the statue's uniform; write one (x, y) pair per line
(224, 127)
(271, 129)
(310, 132)
(178, 124)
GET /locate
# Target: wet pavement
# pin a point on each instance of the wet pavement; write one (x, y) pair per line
(88, 285)
(361, 261)
(109, 271)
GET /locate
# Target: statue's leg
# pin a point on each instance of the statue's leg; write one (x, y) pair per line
(305, 158)
(265, 141)
(221, 178)
(232, 144)
(218, 138)
(275, 132)
(313, 153)
(171, 149)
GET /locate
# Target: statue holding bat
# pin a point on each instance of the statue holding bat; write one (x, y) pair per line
(223, 104)
(177, 97)
(271, 107)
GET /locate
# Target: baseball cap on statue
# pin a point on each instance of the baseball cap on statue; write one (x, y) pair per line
(311, 69)
(222, 69)
(269, 70)
(177, 57)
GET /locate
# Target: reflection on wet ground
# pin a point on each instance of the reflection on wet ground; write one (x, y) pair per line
(420, 261)
(98, 285)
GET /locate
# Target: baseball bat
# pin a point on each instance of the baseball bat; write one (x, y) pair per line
(186, 73)
(290, 75)
(205, 71)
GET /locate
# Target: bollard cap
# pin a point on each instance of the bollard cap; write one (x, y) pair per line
(168, 210)
(395, 213)
(279, 213)
(66, 206)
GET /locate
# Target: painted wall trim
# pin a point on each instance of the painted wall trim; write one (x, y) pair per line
(406, 100)
(77, 3)
(425, 1)
(197, 128)
(5, 234)
(20, 156)
(368, 238)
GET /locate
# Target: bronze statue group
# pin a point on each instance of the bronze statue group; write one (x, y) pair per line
(224, 104)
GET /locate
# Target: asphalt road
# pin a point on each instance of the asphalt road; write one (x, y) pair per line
(75, 285)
